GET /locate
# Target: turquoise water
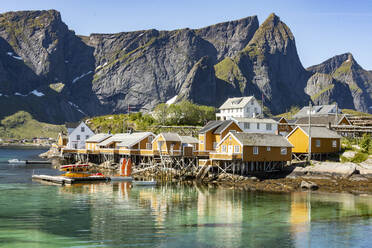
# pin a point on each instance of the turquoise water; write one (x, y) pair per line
(118, 215)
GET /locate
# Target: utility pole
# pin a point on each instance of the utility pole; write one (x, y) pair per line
(309, 155)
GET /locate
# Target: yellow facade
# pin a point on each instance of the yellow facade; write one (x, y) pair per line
(300, 140)
(206, 140)
(166, 147)
(228, 150)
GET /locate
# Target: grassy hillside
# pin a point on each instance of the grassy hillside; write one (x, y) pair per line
(22, 125)
(354, 112)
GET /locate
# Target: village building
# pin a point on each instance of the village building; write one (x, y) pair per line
(323, 140)
(112, 142)
(318, 110)
(325, 120)
(213, 132)
(77, 136)
(285, 126)
(239, 107)
(137, 144)
(92, 142)
(173, 144)
(257, 125)
(257, 151)
(62, 140)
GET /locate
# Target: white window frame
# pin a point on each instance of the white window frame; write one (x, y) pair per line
(317, 143)
(236, 149)
(86, 137)
(148, 146)
(82, 129)
(215, 145)
(78, 137)
(269, 126)
(283, 150)
(223, 148)
(247, 125)
(258, 126)
(334, 143)
(268, 148)
(255, 150)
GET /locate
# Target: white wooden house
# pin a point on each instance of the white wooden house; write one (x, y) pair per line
(78, 136)
(239, 107)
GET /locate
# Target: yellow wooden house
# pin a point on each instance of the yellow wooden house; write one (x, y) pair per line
(137, 144)
(92, 142)
(173, 144)
(213, 132)
(253, 147)
(323, 140)
(62, 140)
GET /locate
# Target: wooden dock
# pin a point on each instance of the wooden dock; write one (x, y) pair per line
(66, 180)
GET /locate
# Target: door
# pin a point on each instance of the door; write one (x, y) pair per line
(230, 149)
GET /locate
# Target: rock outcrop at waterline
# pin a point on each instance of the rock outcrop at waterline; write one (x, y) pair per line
(57, 76)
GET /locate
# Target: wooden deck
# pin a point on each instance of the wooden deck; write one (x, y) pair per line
(66, 180)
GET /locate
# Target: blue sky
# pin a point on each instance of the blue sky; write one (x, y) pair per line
(322, 28)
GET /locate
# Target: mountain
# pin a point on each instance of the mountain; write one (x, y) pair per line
(57, 76)
(348, 83)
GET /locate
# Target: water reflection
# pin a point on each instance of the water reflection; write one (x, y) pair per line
(117, 214)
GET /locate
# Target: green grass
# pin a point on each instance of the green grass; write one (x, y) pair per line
(345, 68)
(57, 87)
(22, 125)
(318, 94)
(354, 112)
(227, 70)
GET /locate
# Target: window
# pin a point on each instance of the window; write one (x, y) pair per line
(148, 146)
(75, 146)
(247, 109)
(201, 142)
(268, 148)
(86, 137)
(317, 143)
(246, 125)
(255, 150)
(236, 149)
(150, 138)
(283, 150)
(214, 145)
(258, 125)
(252, 102)
(223, 149)
(83, 129)
(268, 126)
(334, 143)
(78, 137)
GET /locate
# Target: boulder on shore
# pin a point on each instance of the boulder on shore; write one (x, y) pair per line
(309, 185)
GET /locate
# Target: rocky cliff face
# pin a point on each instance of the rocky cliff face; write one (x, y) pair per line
(56, 75)
(344, 82)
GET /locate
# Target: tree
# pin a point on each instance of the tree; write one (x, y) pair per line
(365, 143)
(161, 113)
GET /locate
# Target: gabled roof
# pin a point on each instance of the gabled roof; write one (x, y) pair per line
(236, 102)
(171, 137)
(260, 139)
(321, 120)
(218, 126)
(99, 137)
(134, 138)
(317, 132)
(188, 140)
(254, 120)
(115, 138)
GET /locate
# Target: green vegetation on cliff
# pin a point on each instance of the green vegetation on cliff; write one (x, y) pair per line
(21, 125)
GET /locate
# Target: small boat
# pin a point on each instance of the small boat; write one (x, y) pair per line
(16, 161)
(121, 178)
(144, 183)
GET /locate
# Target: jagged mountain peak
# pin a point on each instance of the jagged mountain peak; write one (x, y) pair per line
(345, 60)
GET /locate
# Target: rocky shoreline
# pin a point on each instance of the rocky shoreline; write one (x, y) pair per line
(333, 177)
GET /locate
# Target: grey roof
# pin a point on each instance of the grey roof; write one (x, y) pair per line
(255, 120)
(134, 138)
(188, 140)
(262, 139)
(236, 102)
(99, 137)
(171, 136)
(320, 132)
(219, 126)
(115, 138)
(322, 120)
(319, 110)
